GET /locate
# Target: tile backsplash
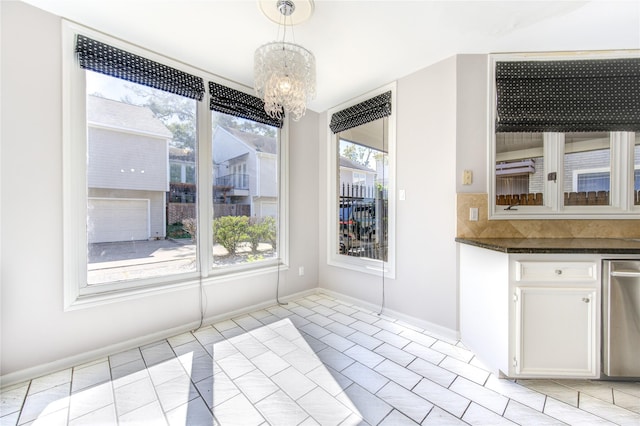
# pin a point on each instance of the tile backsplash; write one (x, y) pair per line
(554, 228)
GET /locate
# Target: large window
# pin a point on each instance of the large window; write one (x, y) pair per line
(133, 231)
(361, 161)
(565, 140)
(161, 191)
(245, 191)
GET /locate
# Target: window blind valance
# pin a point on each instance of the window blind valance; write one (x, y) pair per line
(105, 59)
(239, 104)
(362, 113)
(568, 96)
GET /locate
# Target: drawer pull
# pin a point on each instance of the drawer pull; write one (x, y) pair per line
(558, 271)
(585, 300)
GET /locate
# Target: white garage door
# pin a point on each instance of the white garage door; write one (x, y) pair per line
(267, 208)
(112, 219)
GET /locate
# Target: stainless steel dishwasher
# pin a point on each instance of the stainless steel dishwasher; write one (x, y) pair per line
(621, 318)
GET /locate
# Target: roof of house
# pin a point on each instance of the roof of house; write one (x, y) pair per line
(120, 115)
(345, 162)
(258, 142)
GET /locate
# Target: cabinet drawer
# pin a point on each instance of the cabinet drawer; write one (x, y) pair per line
(531, 271)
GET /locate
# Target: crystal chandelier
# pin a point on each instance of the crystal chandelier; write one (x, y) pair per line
(284, 73)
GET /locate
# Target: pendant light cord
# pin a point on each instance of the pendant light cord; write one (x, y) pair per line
(202, 302)
(382, 226)
(278, 221)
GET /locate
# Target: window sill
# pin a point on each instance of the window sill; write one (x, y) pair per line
(372, 267)
(95, 299)
(570, 213)
(98, 299)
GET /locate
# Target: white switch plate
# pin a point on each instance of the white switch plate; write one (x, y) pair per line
(301, 271)
(473, 214)
(402, 195)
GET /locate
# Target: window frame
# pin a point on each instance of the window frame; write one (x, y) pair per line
(621, 163)
(77, 293)
(369, 266)
(594, 170)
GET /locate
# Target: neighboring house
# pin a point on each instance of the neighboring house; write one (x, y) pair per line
(352, 173)
(182, 165)
(245, 170)
(127, 173)
(182, 175)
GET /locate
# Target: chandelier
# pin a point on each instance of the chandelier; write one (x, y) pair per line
(284, 72)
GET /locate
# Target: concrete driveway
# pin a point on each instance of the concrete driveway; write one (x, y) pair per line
(108, 262)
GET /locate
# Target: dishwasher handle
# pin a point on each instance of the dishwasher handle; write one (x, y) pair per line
(635, 274)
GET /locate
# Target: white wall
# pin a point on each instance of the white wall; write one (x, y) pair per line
(34, 328)
(425, 287)
(472, 117)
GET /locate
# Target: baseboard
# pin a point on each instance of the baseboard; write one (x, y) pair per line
(85, 357)
(438, 330)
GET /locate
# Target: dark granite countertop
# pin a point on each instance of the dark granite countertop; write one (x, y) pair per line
(556, 245)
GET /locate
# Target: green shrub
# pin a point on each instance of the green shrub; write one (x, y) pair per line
(176, 230)
(258, 232)
(230, 231)
(271, 231)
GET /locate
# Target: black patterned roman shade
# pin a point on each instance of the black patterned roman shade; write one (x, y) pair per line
(100, 57)
(362, 113)
(568, 96)
(239, 104)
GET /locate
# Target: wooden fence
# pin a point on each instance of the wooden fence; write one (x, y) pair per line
(177, 212)
(591, 198)
(519, 199)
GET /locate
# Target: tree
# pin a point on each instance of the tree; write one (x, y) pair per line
(357, 153)
(179, 115)
(176, 112)
(244, 125)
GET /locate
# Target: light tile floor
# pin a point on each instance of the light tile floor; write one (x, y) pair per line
(313, 361)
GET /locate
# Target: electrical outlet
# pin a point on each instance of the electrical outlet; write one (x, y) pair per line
(467, 177)
(301, 270)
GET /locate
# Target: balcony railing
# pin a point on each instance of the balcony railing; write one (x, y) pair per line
(236, 181)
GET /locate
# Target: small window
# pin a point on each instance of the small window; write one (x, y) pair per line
(361, 157)
(587, 169)
(359, 178)
(519, 169)
(363, 197)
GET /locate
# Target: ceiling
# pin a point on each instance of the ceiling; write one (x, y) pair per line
(359, 45)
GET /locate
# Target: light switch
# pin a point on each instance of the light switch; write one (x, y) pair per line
(473, 214)
(467, 177)
(402, 195)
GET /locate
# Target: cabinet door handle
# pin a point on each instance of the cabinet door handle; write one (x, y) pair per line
(585, 300)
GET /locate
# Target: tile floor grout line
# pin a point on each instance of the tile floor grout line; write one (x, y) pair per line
(26, 395)
(113, 390)
(466, 409)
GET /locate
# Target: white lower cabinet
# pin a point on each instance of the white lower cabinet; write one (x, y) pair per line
(531, 315)
(555, 332)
